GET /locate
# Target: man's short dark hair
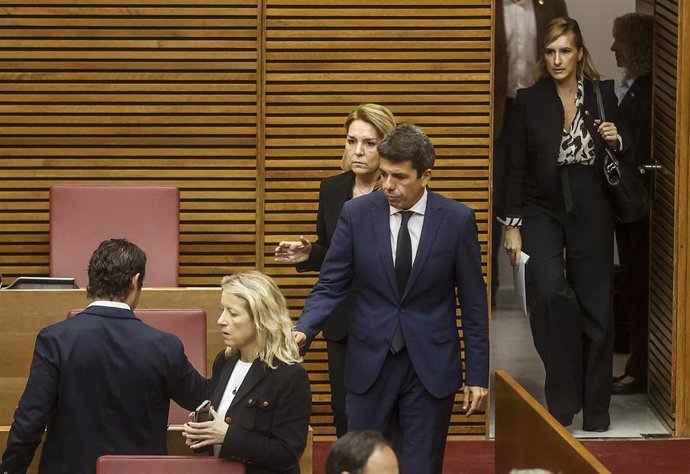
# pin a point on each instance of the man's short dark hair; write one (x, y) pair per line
(112, 267)
(407, 142)
(352, 451)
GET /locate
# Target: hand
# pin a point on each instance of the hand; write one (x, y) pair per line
(207, 433)
(608, 132)
(300, 338)
(513, 245)
(293, 252)
(477, 395)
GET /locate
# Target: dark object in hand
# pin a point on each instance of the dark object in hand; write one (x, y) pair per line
(203, 412)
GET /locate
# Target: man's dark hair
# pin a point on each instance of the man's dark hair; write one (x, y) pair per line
(352, 451)
(112, 267)
(407, 142)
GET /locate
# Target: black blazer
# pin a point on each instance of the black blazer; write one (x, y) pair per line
(535, 133)
(333, 193)
(635, 111)
(268, 418)
(102, 383)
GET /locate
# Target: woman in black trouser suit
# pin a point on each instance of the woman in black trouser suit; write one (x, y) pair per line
(365, 127)
(556, 203)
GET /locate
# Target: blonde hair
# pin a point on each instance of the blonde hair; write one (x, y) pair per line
(564, 26)
(377, 116)
(636, 32)
(268, 310)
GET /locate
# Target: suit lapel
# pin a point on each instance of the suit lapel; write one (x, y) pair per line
(256, 372)
(217, 394)
(433, 216)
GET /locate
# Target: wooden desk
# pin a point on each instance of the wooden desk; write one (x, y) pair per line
(23, 313)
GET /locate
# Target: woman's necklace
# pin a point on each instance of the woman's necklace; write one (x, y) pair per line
(365, 191)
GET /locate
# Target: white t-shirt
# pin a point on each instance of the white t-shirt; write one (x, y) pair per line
(236, 378)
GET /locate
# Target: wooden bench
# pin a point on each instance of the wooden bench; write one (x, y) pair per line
(528, 437)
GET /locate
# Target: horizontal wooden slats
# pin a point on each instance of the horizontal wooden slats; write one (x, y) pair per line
(240, 104)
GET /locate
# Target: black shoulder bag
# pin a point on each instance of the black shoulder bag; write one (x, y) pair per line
(629, 197)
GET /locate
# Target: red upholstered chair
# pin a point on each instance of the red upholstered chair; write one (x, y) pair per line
(166, 465)
(82, 216)
(187, 324)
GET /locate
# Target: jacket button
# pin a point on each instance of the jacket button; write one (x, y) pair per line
(250, 402)
(264, 404)
(586, 113)
(228, 420)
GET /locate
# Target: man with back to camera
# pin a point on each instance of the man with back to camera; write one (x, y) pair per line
(101, 381)
(406, 251)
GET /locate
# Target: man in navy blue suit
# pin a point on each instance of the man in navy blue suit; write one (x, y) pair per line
(101, 381)
(406, 251)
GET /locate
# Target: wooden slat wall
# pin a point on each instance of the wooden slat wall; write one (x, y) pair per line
(661, 304)
(429, 62)
(240, 103)
(156, 91)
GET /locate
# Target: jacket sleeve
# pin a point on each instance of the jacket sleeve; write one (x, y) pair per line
(280, 449)
(35, 405)
(608, 95)
(320, 247)
(515, 169)
(187, 387)
(471, 291)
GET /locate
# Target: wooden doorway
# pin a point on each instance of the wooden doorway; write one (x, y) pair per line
(669, 350)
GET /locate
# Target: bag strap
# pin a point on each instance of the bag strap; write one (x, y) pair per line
(600, 102)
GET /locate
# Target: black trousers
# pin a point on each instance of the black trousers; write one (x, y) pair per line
(336, 377)
(570, 272)
(633, 291)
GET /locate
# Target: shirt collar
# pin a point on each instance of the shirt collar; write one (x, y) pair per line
(418, 208)
(111, 304)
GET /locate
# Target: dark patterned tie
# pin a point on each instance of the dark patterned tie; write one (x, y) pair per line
(403, 266)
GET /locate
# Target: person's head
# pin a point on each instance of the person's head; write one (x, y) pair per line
(116, 272)
(361, 452)
(564, 54)
(407, 157)
(365, 127)
(255, 318)
(633, 36)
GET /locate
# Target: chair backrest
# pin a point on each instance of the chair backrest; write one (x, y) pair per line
(166, 465)
(82, 216)
(187, 324)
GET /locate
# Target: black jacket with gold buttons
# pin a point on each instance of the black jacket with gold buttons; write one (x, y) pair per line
(268, 418)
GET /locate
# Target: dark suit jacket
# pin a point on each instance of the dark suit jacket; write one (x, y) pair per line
(448, 257)
(635, 112)
(268, 418)
(102, 383)
(333, 193)
(544, 12)
(532, 174)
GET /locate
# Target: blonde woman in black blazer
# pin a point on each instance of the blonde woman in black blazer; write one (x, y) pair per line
(558, 212)
(259, 391)
(365, 127)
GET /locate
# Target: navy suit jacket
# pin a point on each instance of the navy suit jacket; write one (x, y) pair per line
(448, 258)
(101, 382)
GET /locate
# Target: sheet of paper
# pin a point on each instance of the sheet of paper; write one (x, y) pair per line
(519, 282)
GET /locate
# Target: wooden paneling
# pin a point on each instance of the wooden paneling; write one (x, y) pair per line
(662, 251)
(528, 437)
(429, 62)
(158, 91)
(239, 103)
(682, 260)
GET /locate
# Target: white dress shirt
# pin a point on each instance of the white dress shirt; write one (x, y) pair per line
(111, 304)
(414, 225)
(520, 25)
